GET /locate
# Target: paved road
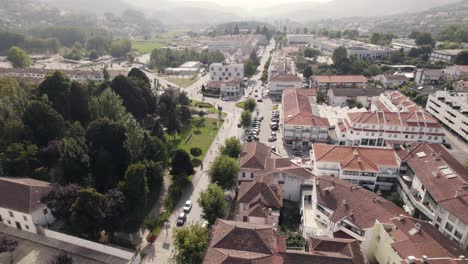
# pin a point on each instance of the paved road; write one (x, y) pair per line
(459, 148)
(163, 250)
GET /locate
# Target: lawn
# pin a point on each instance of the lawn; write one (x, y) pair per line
(181, 82)
(156, 41)
(240, 105)
(202, 139)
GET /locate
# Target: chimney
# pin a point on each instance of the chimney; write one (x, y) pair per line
(411, 259)
(458, 192)
(424, 258)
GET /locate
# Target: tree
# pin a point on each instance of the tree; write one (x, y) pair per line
(18, 57)
(250, 105)
(321, 98)
(57, 87)
(311, 53)
(232, 147)
(424, 38)
(158, 130)
(132, 96)
(19, 159)
(462, 58)
(341, 60)
(249, 68)
(74, 160)
(397, 56)
(139, 75)
(115, 211)
(196, 152)
(61, 258)
(190, 243)
(213, 204)
(8, 244)
(246, 119)
(60, 199)
(120, 48)
(173, 125)
(307, 73)
(236, 30)
(87, 213)
(107, 105)
(181, 163)
(45, 123)
(223, 171)
(154, 176)
(185, 114)
(183, 99)
(135, 188)
(79, 103)
(99, 44)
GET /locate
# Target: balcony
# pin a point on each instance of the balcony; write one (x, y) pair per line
(415, 201)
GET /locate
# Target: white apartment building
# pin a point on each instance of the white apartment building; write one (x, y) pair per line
(433, 186)
(403, 43)
(392, 80)
(446, 56)
(324, 82)
(451, 109)
(456, 71)
(300, 38)
(224, 71)
(301, 128)
(429, 76)
(345, 96)
(372, 168)
(281, 82)
(394, 102)
(231, 89)
(376, 128)
(20, 203)
(362, 50)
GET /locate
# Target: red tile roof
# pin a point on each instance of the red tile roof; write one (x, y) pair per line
(340, 79)
(413, 119)
(297, 109)
(337, 247)
(285, 77)
(354, 203)
(270, 195)
(355, 158)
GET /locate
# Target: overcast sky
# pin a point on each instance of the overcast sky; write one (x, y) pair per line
(241, 3)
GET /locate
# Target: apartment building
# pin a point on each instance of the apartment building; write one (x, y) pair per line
(359, 49)
(281, 82)
(394, 102)
(372, 168)
(324, 82)
(21, 206)
(392, 80)
(259, 202)
(403, 43)
(259, 163)
(224, 71)
(429, 76)
(345, 96)
(456, 71)
(461, 86)
(451, 109)
(301, 127)
(446, 56)
(376, 128)
(433, 186)
(300, 38)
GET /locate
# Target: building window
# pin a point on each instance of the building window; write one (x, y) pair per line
(458, 234)
(251, 175)
(448, 227)
(439, 219)
(9, 222)
(243, 175)
(27, 227)
(11, 214)
(25, 218)
(45, 211)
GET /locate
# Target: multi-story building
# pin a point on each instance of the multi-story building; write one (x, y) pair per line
(300, 38)
(359, 49)
(394, 102)
(224, 71)
(403, 43)
(345, 96)
(301, 127)
(281, 82)
(259, 202)
(446, 56)
(433, 186)
(392, 80)
(451, 109)
(259, 163)
(325, 82)
(21, 206)
(372, 168)
(429, 76)
(461, 86)
(456, 71)
(38, 75)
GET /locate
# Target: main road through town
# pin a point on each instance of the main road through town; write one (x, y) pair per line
(162, 250)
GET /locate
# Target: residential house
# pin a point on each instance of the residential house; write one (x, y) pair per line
(325, 82)
(456, 71)
(337, 247)
(372, 168)
(346, 96)
(259, 202)
(433, 186)
(376, 128)
(429, 76)
(396, 102)
(301, 127)
(21, 206)
(224, 71)
(461, 86)
(392, 80)
(445, 56)
(231, 89)
(258, 162)
(360, 50)
(281, 82)
(451, 109)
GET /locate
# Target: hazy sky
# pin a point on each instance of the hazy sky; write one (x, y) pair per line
(241, 3)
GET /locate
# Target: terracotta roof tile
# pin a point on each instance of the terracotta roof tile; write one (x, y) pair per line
(285, 77)
(271, 195)
(297, 109)
(340, 78)
(345, 248)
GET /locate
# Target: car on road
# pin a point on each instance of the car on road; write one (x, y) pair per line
(239, 125)
(272, 139)
(187, 206)
(273, 133)
(273, 148)
(181, 219)
(274, 126)
(256, 95)
(256, 137)
(259, 100)
(249, 138)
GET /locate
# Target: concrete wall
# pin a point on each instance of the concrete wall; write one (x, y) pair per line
(24, 220)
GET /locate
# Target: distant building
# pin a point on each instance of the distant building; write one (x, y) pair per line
(38, 75)
(301, 127)
(361, 50)
(403, 43)
(281, 82)
(224, 71)
(373, 168)
(456, 71)
(21, 206)
(395, 102)
(325, 82)
(446, 56)
(300, 38)
(461, 86)
(188, 68)
(451, 109)
(433, 186)
(345, 96)
(429, 77)
(392, 80)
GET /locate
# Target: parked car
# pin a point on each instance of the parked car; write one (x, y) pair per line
(273, 148)
(259, 100)
(274, 126)
(187, 206)
(239, 125)
(273, 133)
(272, 139)
(256, 137)
(181, 219)
(249, 138)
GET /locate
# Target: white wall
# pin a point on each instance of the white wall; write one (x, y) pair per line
(25, 220)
